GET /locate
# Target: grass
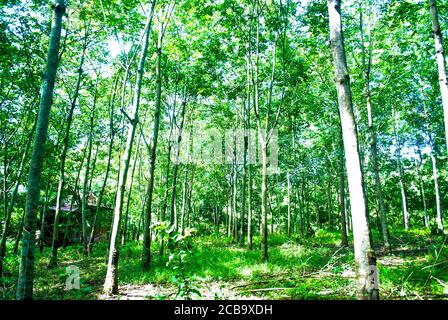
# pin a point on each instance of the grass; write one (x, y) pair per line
(299, 268)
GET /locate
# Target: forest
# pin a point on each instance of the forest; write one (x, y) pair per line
(223, 150)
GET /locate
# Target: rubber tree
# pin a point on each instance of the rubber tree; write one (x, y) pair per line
(97, 217)
(85, 192)
(111, 282)
(55, 240)
(400, 170)
(146, 252)
(26, 271)
(366, 54)
(440, 55)
(364, 255)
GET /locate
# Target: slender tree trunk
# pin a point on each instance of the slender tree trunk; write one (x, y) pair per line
(318, 218)
(146, 252)
(126, 215)
(173, 217)
(44, 211)
(142, 217)
(92, 172)
(235, 202)
(189, 197)
(74, 197)
(85, 192)
(440, 55)
(306, 202)
(289, 203)
(425, 208)
(422, 187)
(249, 209)
(329, 203)
(167, 172)
(229, 213)
(184, 200)
(401, 179)
(246, 111)
(55, 241)
(165, 196)
(111, 282)
(97, 218)
(264, 226)
(262, 138)
(300, 208)
(435, 174)
(43, 217)
(243, 192)
(5, 179)
(26, 271)
(367, 62)
(364, 255)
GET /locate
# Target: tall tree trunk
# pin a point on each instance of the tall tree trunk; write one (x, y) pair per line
(264, 222)
(367, 62)
(47, 199)
(440, 55)
(229, 209)
(422, 187)
(364, 255)
(435, 174)
(425, 208)
(55, 241)
(173, 212)
(289, 203)
(235, 202)
(43, 217)
(262, 136)
(75, 196)
(97, 217)
(92, 172)
(243, 190)
(5, 179)
(246, 122)
(26, 271)
(85, 192)
(249, 209)
(146, 252)
(329, 203)
(142, 217)
(126, 215)
(184, 199)
(300, 209)
(401, 179)
(111, 282)
(189, 196)
(167, 172)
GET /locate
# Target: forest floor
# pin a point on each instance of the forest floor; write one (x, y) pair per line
(298, 268)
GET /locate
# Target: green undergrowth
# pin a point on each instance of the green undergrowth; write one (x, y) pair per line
(308, 267)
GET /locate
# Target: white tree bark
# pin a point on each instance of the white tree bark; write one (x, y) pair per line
(364, 255)
(443, 81)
